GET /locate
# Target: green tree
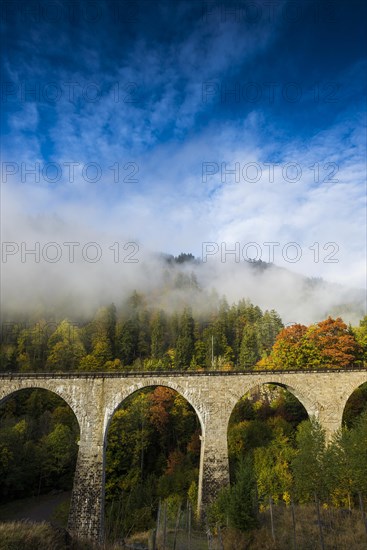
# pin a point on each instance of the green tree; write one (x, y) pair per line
(308, 464)
(272, 468)
(236, 506)
(60, 452)
(249, 352)
(65, 348)
(268, 328)
(127, 341)
(128, 444)
(185, 341)
(103, 334)
(346, 459)
(361, 337)
(159, 335)
(144, 340)
(32, 346)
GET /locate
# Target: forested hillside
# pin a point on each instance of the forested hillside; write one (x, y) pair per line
(138, 336)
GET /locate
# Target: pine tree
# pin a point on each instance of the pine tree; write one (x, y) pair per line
(127, 341)
(185, 340)
(249, 353)
(159, 335)
(242, 509)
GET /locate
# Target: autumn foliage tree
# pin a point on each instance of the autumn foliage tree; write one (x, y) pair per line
(335, 343)
(327, 344)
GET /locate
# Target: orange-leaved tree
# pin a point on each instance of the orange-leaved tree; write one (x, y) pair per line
(336, 343)
(327, 344)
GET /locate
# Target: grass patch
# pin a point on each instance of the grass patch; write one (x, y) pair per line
(341, 529)
(26, 535)
(32, 536)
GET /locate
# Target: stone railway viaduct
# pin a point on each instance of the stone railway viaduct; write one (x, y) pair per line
(94, 397)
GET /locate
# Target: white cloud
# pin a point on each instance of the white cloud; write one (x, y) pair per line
(171, 208)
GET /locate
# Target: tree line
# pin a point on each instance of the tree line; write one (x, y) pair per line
(141, 337)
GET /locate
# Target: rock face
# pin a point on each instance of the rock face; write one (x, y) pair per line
(95, 397)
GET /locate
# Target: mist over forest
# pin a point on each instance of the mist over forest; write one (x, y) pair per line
(77, 290)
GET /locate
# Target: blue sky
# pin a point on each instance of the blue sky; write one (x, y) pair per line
(170, 95)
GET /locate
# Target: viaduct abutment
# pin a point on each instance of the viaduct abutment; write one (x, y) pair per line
(94, 397)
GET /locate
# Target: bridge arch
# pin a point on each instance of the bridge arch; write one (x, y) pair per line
(253, 419)
(41, 478)
(64, 395)
(196, 425)
(308, 403)
(355, 404)
(114, 401)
